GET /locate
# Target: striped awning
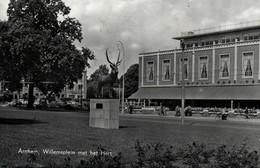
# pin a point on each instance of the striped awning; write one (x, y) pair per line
(228, 92)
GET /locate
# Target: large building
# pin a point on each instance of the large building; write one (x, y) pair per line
(221, 68)
(78, 91)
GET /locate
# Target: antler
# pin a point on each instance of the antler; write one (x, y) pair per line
(108, 58)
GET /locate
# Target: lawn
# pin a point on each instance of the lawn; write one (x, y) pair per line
(69, 132)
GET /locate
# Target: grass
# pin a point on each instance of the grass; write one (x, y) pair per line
(23, 129)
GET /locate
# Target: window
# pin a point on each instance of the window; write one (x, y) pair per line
(188, 45)
(207, 42)
(203, 67)
(251, 37)
(256, 37)
(166, 70)
(186, 70)
(245, 37)
(150, 71)
(223, 40)
(238, 38)
(233, 40)
(202, 43)
(196, 44)
(228, 40)
(79, 87)
(211, 42)
(248, 64)
(216, 41)
(224, 66)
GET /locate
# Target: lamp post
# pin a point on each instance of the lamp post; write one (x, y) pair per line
(182, 84)
(119, 43)
(81, 96)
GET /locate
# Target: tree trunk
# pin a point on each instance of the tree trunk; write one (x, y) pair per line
(30, 96)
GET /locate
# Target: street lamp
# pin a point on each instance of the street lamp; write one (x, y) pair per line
(119, 43)
(182, 83)
(81, 96)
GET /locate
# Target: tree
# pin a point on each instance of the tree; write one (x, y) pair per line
(131, 80)
(94, 77)
(37, 46)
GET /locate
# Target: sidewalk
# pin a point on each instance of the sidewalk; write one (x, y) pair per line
(196, 117)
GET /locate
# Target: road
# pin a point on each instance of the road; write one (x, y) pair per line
(247, 124)
(236, 123)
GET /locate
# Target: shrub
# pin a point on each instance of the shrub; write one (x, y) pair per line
(156, 155)
(100, 161)
(195, 155)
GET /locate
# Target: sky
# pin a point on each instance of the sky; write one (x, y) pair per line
(147, 25)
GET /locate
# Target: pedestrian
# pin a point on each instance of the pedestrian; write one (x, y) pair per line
(188, 111)
(161, 109)
(246, 113)
(224, 114)
(177, 111)
(164, 110)
(130, 109)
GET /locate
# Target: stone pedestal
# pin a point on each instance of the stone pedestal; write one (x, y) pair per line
(104, 113)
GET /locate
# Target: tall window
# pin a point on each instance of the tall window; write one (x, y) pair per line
(166, 70)
(79, 87)
(186, 70)
(150, 71)
(224, 66)
(248, 64)
(203, 67)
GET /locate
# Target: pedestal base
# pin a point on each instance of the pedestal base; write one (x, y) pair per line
(104, 113)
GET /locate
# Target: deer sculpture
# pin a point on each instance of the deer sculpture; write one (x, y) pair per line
(108, 80)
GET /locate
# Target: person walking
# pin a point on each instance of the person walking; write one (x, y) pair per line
(177, 111)
(131, 109)
(161, 109)
(164, 111)
(246, 113)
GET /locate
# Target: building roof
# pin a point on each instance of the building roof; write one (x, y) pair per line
(228, 92)
(219, 30)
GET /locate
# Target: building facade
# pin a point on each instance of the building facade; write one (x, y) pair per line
(78, 91)
(220, 66)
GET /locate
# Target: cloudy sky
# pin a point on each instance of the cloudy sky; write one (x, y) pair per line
(148, 25)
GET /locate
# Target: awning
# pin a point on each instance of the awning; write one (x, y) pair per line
(229, 92)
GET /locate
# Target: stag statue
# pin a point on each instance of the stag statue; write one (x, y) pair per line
(109, 79)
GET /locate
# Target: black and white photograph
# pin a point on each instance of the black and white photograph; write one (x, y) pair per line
(129, 83)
